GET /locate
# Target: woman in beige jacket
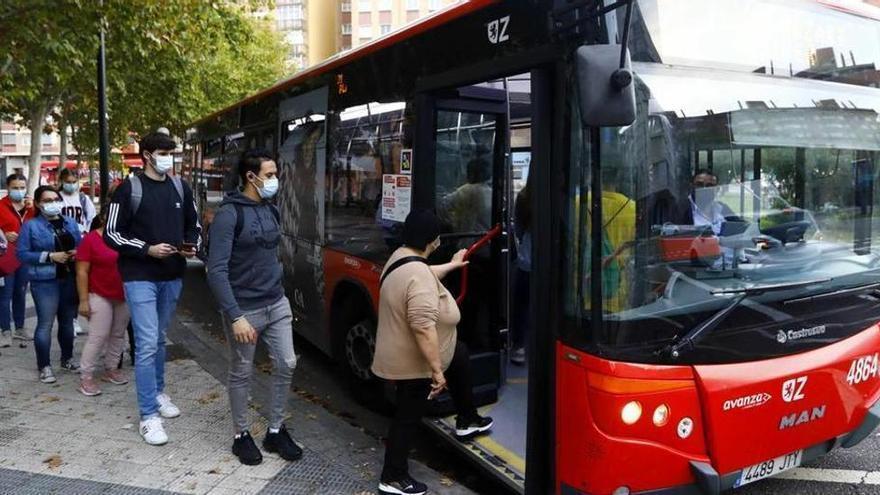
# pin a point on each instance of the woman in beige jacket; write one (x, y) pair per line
(417, 347)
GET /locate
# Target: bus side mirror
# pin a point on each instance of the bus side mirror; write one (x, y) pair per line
(607, 92)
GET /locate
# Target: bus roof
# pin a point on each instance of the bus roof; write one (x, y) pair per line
(443, 16)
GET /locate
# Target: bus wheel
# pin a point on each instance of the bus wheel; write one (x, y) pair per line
(360, 345)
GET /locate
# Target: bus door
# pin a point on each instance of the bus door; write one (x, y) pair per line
(302, 149)
(464, 138)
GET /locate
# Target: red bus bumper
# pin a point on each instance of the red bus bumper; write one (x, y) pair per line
(734, 416)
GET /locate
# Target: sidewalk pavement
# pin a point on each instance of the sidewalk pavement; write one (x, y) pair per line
(53, 439)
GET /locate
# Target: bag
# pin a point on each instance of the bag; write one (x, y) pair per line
(9, 261)
(203, 252)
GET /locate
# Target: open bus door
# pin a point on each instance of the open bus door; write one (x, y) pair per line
(465, 135)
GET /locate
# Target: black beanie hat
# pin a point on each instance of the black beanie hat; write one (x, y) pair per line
(421, 228)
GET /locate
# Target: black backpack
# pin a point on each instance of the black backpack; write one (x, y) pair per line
(202, 254)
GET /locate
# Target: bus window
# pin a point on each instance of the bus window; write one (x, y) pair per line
(748, 195)
(366, 142)
(464, 175)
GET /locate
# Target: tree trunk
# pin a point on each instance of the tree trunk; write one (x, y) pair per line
(62, 145)
(37, 120)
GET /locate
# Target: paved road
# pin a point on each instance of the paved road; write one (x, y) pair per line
(854, 471)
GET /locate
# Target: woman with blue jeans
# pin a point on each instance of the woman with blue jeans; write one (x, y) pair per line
(47, 245)
(15, 209)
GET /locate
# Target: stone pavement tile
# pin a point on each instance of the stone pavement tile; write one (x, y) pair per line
(155, 476)
(28, 460)
(239, 484)
(191, 482)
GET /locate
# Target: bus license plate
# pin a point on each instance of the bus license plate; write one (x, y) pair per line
(769, 468)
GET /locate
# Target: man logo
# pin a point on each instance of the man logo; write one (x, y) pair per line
(781, 337)
(793, 390)
(805, 416)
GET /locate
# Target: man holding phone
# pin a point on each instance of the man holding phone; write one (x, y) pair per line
(153, 223)
(245, 276)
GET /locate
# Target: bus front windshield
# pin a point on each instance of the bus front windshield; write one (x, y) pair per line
(738, 218)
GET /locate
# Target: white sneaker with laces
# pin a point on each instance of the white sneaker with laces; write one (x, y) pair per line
(153, 431)
(166, 408)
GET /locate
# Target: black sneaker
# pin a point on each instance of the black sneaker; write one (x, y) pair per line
(246, 450)
(281, 444)
(402, 486)
(70, 366)
(467, 426)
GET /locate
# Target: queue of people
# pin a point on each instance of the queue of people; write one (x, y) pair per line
(126, 267)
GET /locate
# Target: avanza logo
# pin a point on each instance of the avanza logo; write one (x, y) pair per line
(805, 416)
(747, 402)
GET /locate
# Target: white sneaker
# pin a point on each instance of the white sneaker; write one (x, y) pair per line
(46, 375)
(153, 431)
(78, 329)
(166, 408)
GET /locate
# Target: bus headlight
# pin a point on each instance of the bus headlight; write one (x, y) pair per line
(631, 412)
(621, 490)
(661, 415)
(685, 427)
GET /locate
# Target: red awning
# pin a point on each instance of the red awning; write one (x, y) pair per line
(51, 164)
(133, 162)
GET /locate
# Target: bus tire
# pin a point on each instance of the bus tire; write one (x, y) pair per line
(356, 344)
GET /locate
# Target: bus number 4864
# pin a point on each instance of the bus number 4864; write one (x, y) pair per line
(862, 369)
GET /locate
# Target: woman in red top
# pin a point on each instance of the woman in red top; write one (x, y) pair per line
(15, 209)
(102, 302)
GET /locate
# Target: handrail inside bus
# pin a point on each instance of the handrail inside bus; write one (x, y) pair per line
(486, 239)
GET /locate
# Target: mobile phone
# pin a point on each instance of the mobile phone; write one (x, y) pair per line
(187, 246)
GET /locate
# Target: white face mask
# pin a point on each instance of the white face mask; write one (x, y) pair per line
(269, 189)
(163, 163)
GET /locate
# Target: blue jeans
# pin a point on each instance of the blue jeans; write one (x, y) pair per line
(151, 305)
(54, 299)
(13, 293)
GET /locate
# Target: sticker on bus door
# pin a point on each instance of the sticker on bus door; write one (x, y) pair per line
(396, 195)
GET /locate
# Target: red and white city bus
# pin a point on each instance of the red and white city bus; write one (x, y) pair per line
(717, 327)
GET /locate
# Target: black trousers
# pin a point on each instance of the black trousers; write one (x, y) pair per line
(412, 400)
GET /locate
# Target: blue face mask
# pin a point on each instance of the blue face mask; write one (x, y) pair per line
(269, 189)
(52, 209)
(70, 188)
(17, 195)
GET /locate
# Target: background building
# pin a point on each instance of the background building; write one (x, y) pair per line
(317, 29)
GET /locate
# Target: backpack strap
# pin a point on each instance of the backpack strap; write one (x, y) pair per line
(239, 221)
(178, 185)
(82, 202)
(397, 264)
(137, 193)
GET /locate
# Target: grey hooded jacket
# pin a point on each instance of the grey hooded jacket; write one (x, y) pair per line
(244, 272)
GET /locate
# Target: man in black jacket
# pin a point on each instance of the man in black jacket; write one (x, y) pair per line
(153, 223)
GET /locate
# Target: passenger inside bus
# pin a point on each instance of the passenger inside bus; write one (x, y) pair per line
(469, 207)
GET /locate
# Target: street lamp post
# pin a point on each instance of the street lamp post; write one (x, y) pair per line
(104, 148)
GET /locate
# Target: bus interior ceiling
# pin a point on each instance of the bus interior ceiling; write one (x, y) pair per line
(493, 312)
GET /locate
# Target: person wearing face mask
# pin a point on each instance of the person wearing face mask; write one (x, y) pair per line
(153, 224)
(47, 246)
(15, 209)
(245, 276)
(417, 347)
(79, 207)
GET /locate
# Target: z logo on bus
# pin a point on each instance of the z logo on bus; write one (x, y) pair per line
(497, 30)
(793, 390)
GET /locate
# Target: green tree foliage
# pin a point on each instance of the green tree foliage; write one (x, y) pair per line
(169, 62)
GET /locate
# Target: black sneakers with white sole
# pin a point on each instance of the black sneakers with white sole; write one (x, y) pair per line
(402, 486)
(465, 427)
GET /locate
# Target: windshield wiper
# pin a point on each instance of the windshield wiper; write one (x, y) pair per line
(688, 341)
(835, 293)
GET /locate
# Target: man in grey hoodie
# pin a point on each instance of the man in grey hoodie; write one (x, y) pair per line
(245, 276)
